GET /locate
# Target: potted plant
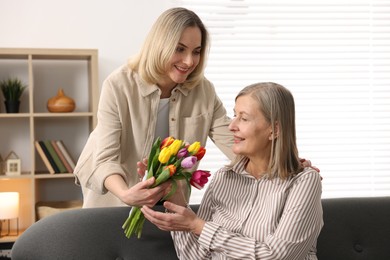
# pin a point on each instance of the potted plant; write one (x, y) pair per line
(12, 89)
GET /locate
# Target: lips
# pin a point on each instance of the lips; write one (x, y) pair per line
(238, 139)
(181, 69)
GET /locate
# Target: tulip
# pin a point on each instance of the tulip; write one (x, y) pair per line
(166, 142)
(169, 160)
(175, 146)
(165, 154)
(189, 162)
(199, 155)
(194, 147)
(199, 178)
(182, 153)
(171, 168)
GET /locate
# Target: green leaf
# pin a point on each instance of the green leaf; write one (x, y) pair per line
(156, 162)
(153, 152)
(12, 89)
(164, 175)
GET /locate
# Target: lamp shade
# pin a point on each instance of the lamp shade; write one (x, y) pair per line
(9, 205)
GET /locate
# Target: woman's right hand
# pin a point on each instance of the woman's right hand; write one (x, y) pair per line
(138, 195)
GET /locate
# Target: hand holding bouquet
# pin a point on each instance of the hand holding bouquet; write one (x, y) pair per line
(170, 159)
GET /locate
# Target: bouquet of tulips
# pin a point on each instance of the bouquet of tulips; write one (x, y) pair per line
(170, 159)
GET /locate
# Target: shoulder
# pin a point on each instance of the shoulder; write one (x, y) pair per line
(122, 80)
(207, 85)
(120, 74)
(204, 86)
(309, 176)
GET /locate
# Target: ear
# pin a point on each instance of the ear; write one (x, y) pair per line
(274, 133)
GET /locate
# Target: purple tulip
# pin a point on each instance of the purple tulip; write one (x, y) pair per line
(182, 153)
(189, 162)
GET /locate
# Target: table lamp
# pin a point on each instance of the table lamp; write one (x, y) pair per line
(9, 209)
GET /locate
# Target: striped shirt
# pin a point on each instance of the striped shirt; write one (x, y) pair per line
(249, 218)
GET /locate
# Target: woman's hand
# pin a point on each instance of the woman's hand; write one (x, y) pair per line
(180, 197)
(307, 163)
(141, 168)
(177, 218)
(138, 195)
(141, 193)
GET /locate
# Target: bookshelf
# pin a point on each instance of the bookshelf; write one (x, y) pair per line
(45, 71)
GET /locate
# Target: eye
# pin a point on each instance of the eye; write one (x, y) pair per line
(197, 52)
(179, 49)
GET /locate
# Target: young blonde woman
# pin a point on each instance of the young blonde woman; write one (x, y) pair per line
(161, 92)
(265, 205)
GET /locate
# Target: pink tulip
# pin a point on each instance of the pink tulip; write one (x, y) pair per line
(189, 162)
(200, 178)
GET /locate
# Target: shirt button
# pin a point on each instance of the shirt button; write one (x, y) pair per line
(173, 99)
(172, 119)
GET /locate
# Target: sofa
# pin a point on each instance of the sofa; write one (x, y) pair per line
(354, 229)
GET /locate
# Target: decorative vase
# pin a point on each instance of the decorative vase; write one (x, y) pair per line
(12, 106)
(61, 103)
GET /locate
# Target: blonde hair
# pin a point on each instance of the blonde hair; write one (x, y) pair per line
(160, 44)
(277, 105)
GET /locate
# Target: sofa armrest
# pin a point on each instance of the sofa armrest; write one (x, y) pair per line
(93, 233)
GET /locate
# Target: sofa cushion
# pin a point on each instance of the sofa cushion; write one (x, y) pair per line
(355, 228)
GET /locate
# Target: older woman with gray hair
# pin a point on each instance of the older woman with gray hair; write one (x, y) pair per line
(266, 204)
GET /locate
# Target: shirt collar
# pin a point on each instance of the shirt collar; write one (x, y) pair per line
(147, 89)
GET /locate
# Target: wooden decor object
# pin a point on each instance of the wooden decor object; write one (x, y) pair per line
(61, 103)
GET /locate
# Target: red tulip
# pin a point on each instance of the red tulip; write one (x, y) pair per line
(200, 178)
(167, 142)
(199, 155)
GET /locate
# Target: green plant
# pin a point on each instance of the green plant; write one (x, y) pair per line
(12, 89)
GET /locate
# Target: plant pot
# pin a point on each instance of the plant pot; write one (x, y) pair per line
(12, 106)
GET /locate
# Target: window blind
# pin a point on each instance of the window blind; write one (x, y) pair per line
(334, 56)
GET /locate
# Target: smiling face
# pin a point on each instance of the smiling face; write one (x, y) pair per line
(252, 132)
(185, 59)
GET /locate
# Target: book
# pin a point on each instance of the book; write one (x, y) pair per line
(62, 157)
(48, 156)
(55, 157)
(66, 154)
(44, 157)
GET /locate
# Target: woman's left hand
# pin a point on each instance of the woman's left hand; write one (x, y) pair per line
(141, 168)
(177, 219)
(307, 163)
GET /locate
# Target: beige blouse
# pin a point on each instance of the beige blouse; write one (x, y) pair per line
(125, 131)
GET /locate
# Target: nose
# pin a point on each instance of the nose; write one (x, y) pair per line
(232, 125)
(188, 59)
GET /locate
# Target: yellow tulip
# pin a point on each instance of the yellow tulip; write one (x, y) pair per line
(175, 146)
(164, 155)
(194, 147)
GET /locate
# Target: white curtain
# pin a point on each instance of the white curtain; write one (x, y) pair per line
(335, 58)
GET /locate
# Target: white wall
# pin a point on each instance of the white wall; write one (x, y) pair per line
(116, 28)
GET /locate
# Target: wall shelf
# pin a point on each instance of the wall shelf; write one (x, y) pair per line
(44, 71)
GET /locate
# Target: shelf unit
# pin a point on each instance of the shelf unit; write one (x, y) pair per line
(44, 71)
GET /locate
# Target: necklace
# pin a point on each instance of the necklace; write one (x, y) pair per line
(257, 174)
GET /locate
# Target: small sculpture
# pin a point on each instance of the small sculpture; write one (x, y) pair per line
(13, 164)
(61, 103)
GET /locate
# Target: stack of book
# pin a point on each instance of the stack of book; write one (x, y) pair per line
(55, 156)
